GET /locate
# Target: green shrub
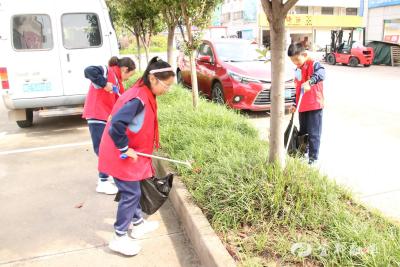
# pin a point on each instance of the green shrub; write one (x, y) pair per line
(158, 44)
(259, 210)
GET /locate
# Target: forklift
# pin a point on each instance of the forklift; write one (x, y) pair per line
(348, 52)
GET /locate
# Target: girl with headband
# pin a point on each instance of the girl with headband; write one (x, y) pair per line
(133, 126)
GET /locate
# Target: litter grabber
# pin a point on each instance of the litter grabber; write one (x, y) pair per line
(288, 140)
(186, 163)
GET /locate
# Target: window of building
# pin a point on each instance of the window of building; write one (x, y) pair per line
(237, 15)
(351, 11)
(327, 10)
(226, 17)
(81, 30)
(32, 32)
(301, 9)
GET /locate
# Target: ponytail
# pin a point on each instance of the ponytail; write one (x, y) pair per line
(157, 64)
(114, 61)
(123, 62)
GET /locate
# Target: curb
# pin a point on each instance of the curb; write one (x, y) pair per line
(208, 246)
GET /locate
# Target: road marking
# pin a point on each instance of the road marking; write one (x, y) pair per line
(33, 149)
(381, 193)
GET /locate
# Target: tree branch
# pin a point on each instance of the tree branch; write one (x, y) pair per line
(267, 6)
(288, 5)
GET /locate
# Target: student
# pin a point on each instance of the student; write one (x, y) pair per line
(99, 103)
(133, 127)
(309, 76)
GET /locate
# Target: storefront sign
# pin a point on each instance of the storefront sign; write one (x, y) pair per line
(306, 21)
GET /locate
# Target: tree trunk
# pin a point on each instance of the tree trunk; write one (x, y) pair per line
(146, 50)
(142, 35)
(276, 143)
(195, 90)
(170, 48)
(139, 54)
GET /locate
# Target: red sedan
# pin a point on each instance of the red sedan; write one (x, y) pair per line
(230, 72)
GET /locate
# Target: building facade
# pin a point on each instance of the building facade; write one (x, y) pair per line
(383, 21)
(240, 18)
(311, 21)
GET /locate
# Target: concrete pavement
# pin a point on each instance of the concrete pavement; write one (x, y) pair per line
(42, 223)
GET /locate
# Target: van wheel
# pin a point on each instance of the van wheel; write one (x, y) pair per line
(217, 94)
(353, 62)
(29, 119)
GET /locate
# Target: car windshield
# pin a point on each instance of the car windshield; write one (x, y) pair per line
(237, 52)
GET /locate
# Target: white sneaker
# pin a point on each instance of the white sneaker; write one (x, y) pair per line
(106, 188)
(111, 180)
(124, 245)
(143, 228)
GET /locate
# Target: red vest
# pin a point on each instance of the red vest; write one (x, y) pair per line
(313, 99)
(142, 141)
(99, 102)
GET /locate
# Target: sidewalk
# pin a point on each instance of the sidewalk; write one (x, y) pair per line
(41, 224)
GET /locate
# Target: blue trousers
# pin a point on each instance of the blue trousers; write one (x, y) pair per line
(96, 132)
(311, 124)
(128, 206)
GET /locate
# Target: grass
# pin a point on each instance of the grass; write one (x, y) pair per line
(259, 211)
(158, 45)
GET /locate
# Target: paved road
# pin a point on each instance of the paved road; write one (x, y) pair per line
(361, 133)
(41, 187)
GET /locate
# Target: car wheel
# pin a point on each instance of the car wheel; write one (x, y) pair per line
(179, 77)
(367, 65)
(331, 59)
(353, 62)
(29, 119)
(217, 94)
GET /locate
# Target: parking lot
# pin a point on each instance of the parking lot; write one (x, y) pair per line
(50, 212)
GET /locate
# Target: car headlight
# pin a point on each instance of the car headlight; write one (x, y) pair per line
(242, 79)
(235, 76)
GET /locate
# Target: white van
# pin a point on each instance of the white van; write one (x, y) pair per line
(45, 46)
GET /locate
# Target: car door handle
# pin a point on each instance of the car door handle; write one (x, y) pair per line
(68, 58)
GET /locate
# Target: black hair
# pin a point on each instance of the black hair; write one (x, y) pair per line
(122, 62)
(154, 64)
(295, 49)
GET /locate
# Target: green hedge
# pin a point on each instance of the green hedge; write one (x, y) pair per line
(259, 211)
(158, 44)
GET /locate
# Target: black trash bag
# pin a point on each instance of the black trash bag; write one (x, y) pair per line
(298, 144)
(155, 192)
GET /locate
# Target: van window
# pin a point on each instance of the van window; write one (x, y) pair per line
(81, 31)
(32, 32)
